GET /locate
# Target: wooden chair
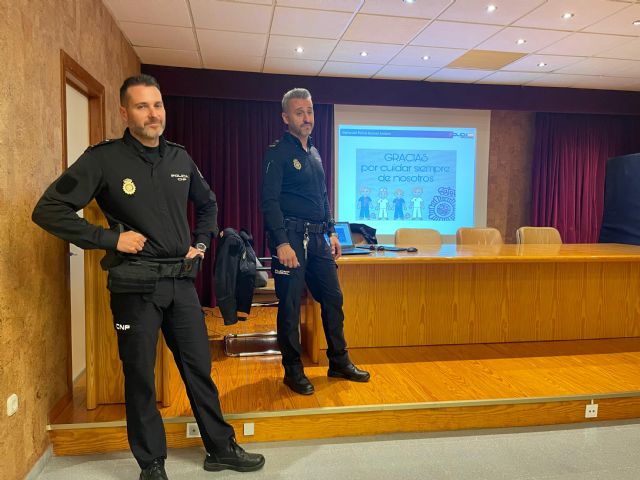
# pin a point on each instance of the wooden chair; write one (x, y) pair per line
(544, 235)
(409, 237)
(478, 236)
(357, 238)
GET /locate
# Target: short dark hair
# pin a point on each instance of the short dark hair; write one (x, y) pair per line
(142, 79)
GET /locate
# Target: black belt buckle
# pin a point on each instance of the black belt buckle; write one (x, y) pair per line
(190, 267)
(316, 227)
(185, 268)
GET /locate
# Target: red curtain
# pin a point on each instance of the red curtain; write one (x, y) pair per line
(570, 155)
(227, 140)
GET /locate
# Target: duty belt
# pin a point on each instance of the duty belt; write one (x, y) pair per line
(299, 225)
(173, 267)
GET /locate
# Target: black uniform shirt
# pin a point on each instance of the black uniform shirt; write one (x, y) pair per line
(293, 186)
(143, 190)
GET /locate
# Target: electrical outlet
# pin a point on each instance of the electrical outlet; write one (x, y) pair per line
(249, 429)
(192, 430)
(591, 410)
(12, 404)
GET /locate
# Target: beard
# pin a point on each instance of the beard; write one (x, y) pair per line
(301, 131)
(149, 132)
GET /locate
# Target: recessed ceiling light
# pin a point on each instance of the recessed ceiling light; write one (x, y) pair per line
(409, 1)
(426, 57)
(637, 23)
(542, 64)
(567, 15)
(491, 8)
(363, 54)
(299, 50)
(521, 41)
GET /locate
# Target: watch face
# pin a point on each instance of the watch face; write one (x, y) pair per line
(201, 247)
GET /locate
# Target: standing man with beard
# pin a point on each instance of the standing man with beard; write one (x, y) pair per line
(142, 183)
(297, 216)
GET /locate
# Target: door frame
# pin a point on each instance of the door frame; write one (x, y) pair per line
(73, 74)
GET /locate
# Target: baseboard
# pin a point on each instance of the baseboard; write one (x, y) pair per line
(40, 464)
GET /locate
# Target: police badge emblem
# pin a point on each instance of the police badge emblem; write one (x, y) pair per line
(297, 164)
(128, 186)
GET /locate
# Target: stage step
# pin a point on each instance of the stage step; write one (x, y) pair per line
(99, 437)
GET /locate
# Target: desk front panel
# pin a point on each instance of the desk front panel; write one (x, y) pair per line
(587, 292)
(387, 305)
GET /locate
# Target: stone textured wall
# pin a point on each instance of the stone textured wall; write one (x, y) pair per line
(34, 297)
(510, 157)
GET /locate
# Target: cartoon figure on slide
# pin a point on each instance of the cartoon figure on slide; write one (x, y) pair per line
(416, 204)
(364, 203)
(383, 204)
(398, 205)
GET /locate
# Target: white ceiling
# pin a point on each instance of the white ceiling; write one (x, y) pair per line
(599, 47)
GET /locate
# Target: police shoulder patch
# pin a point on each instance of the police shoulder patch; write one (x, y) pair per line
(173, 144)
(102, 143)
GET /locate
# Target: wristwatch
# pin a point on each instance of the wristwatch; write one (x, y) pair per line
(201, 247)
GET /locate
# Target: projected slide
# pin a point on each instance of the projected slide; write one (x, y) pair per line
(394, 177)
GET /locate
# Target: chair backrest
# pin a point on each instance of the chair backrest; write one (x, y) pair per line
(478, 236)
(357, 238)
(408, 237)
(548, 235)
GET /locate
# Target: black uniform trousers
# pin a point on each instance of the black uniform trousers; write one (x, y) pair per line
(173, 307)
(319, 271)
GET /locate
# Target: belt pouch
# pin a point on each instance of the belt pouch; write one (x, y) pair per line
(191, 267)
(133, 277)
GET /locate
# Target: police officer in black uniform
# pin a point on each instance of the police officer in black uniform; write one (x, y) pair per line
(297, 216)
(142, 183)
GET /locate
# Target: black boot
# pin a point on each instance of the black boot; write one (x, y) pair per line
(155, 471)
(233, 458)
(350, 372)
(296, 380)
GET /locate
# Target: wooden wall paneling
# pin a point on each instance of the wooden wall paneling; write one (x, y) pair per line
(74, 74)
(99, 339)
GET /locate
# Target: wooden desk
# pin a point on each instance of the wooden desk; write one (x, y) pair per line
(485, 294)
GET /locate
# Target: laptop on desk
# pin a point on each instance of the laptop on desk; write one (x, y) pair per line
(346, 242)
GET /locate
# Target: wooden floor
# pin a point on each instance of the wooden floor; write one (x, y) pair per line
(411, 389)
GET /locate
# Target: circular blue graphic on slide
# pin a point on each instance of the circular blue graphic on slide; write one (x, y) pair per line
(442, 208)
